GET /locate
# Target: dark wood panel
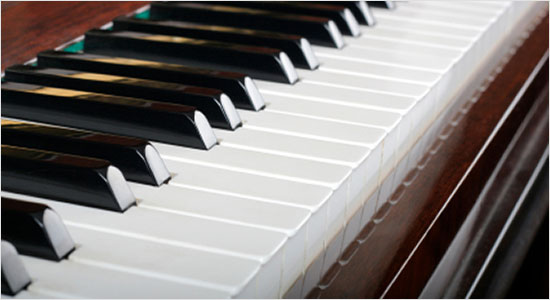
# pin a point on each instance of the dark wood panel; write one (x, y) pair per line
(378, 258)
(34, 26)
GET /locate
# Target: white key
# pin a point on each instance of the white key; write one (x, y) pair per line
(339, 95)
(179, 230)
(427, 16)
(397, 74)
(289, 220)
(317, 199)
(233, 276)
(363, 81)
(308, 127)
(412, 24)
(67, 279)
(398, 59)
(266, 164)
(333, 112)
(462, 9)
(335, 177)
(181, 200)
(481, 6)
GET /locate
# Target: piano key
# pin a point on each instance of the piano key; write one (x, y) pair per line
(477, 14)
(334, 177)
(215, 105)
(316, 199)
(341, 95)
(407, 47)
(297, 113)
(15, 277)
(223, 275)
(460, 9)
(485, 6)
(192, 232)
(238, 210)
(137, 159)
(382, 4)
(35, 230)
(413, 24)
(310, 172)
(364, 82)
(360, 10)
(412, 60)
(295, 46)
(377, 70)
(308, 127)
(259, 62)
(290, 220)
(319, 31)
(334, 112)
(172, 123)
(344, 19)
(435, 18)
(68, 279)
(74, 179)
(239, 87)
(364, 162)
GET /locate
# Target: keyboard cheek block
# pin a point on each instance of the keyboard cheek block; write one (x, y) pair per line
(67, 178)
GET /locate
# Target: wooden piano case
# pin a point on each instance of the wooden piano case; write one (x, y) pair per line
(453, 223)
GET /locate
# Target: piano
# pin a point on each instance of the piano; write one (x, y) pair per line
(271, 149)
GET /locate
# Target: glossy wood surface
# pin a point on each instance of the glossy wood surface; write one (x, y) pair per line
(449, 179)
(33, 26)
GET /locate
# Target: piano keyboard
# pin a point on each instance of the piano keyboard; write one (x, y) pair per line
(170, 161)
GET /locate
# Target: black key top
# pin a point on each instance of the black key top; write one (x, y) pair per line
(63, 177)
(360, 10)
(239, 87)
(318, 30)
(382, 4)
(342, 16)
(14, 275)
(165, 122)
(136, 158)
(295, 46)
(258, 62)
(214, 104)
(35, 229)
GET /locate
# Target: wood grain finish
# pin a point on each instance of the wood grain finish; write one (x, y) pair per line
(34, 26)
(386, 262)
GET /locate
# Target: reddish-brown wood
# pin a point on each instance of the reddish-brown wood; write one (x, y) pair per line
(378, 258)
(34, 26)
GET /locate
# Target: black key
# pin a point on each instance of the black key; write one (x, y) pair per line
(239, 87)
(136, 158)
(35, 229)
(165, 122)
(63, 177)
(295, 46)
(318, 30)
(382, 4)
(258, 62)
(342, 16)
(214, 104)
(14, 275)
(360, 9)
